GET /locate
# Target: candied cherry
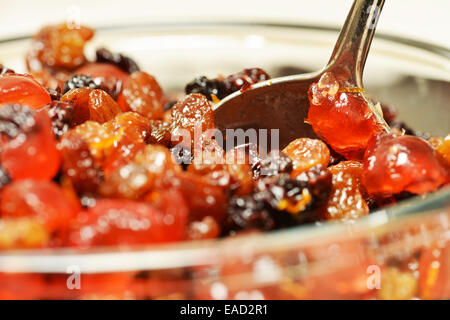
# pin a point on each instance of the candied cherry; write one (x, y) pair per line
(125, 222)
(346, 201)
(274, 163)
(23, 89)
(28, 144)
(192, 117)
(248, 212)
(43, 200)
(91, 104)
(221, 87)
(306, 153)
(141, 93)
(343, 119)
(393, 164)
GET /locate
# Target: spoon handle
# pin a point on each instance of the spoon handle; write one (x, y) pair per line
(350, 53)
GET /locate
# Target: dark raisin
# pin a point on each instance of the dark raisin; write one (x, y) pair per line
(61, 114)
(16, 119)
(223, 87)
(182, 155)
(283, 193)
(80, 81)
(245, 78)
(248, 213)
(207, 87)
(319, 180)
(276, 162)
(123, 62)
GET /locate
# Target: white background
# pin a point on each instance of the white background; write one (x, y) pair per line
(427, 20)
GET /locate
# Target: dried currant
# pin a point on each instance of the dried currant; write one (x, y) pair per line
(207, 87)
(276, 162)
(248, 213)
(123, 62)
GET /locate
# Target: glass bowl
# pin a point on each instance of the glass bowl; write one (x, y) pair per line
(401, 252)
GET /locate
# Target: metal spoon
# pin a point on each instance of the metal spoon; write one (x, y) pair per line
(282, 103)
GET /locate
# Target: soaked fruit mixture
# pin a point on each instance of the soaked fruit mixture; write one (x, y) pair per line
(95, 153)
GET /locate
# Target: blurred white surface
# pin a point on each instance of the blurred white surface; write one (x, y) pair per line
(423, 20)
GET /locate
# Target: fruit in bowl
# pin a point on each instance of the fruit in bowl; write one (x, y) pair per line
(93, 154)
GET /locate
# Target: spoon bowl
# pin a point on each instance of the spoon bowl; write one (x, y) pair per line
(282, 103)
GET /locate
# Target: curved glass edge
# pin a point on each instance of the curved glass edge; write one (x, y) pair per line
(198, 24)
(188, 254)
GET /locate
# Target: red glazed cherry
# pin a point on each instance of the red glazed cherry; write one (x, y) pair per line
(28, 144)
(125, 222)
(393, 164)
(24, 90)
(43, 200)
(343, 119)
